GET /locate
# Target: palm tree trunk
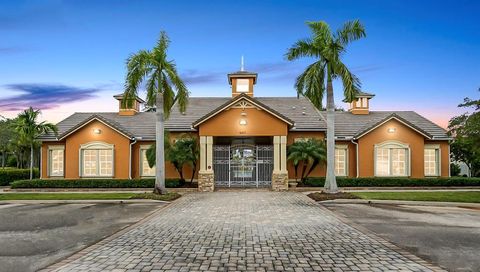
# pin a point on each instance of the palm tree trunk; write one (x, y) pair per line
(31, 161)
(330, 181)
(160, 147)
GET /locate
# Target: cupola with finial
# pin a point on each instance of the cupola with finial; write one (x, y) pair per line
(242, 81)
(361, 104)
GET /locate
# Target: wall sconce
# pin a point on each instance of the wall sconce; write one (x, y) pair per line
(391, 130)
(97, 131)
(243, 122)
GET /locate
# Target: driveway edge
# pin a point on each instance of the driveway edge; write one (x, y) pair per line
(84, 201)
(384, 242)
(401, 202)
(82, 252)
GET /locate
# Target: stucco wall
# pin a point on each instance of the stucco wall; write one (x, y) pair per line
(404, 135)
(259, 123)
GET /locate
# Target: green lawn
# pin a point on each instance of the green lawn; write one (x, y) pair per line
(86, 196)
(472, 197)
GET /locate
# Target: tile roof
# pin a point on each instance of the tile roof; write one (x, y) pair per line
(300, 110)
(351, 125)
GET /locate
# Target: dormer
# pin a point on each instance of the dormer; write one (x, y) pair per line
(128, 110)
(361, 104)
(242, 82)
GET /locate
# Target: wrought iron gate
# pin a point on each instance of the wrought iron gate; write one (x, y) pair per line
(243, 165)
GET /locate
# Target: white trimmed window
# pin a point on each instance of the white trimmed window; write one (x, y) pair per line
(145, 169)
(392, 159)
(341, 154)
(432, 160)
(242, 85)
(56, 160)
(96, 160)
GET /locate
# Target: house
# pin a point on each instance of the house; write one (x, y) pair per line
(243, 140)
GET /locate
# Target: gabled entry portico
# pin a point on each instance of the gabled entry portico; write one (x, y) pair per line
(237, 149)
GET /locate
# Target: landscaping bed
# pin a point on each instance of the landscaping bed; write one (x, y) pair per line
(88, 196)
(97, 183)
(394, 182)
(317, 196)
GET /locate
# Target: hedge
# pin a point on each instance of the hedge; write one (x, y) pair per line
(93, 183)
(7, 176)
(395, 182)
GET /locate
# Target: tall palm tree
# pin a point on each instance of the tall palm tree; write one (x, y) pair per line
(327, 48)
(29, 129)
(164, 88)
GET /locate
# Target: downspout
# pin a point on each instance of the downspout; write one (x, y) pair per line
(356, 155)
(130, 158)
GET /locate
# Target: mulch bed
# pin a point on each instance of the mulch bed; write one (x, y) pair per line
(324, 196)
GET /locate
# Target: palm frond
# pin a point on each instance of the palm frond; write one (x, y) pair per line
(351, 83)
(351, 31)
(302, 48)
(321, 33)
(311, 83)
(139, 66)
(182, 92)
(168, 96)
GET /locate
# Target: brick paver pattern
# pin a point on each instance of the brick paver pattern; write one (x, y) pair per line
(244, 231)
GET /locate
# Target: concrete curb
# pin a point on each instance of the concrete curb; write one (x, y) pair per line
(401, 202)
(83, 201)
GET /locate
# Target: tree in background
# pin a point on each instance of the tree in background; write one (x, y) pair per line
(29, 129)
(309, 153)
(466, 132)
(327, 49)
(7, 133)
(164, 89)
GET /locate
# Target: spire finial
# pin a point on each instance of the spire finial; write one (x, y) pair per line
(242, 68)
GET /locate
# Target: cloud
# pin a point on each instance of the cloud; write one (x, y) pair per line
(12, 49)
(365, 68)
(44, 96)
(192, 77)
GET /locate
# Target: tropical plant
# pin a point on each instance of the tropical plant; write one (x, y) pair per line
(164, 88)
(465, 129)
(183, 151)
(29, 129)
(310, 153)
(327, 48)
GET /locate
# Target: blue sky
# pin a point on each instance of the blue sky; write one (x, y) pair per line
(67, 56)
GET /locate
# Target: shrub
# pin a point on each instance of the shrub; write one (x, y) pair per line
(395, 182)
(7, 176)
(93, 183)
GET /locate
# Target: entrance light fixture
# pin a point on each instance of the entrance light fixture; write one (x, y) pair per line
(391, 130)
(243, 122)
(97, 131)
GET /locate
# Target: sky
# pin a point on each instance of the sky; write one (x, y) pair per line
(69, 56)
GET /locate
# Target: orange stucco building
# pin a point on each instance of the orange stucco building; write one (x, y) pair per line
(243, 140)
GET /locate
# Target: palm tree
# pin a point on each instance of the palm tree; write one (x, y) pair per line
(310, 152)
(29, 129)
(164, 88)
(327, 48)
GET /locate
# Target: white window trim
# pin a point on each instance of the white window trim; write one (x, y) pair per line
(140, 157)
(96, 146)
(49, 161)
(389, 145)
(345, 147)
(439, 163)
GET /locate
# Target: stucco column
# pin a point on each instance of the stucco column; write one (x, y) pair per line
(206, 181)
(280, 174)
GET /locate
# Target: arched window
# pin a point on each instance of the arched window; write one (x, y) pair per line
(392, 158)
(96, 160)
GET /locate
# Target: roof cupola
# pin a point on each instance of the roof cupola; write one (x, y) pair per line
(242, 81)
(361, 104)
(128, 110)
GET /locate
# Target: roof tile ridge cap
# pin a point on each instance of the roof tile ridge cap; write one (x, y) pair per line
(113, 123)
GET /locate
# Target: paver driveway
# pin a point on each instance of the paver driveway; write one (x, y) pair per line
(238, 231)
